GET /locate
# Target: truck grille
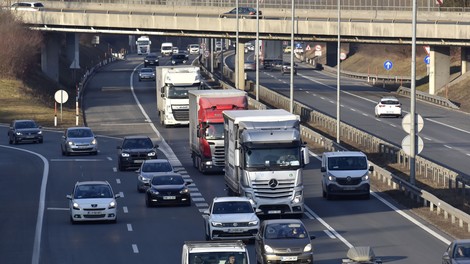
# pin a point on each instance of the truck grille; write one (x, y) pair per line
(219, 156)
(349, 181)
(284, 189)
(181, 115)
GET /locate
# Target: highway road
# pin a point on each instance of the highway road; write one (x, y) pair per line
(446, 132)
(36, 178)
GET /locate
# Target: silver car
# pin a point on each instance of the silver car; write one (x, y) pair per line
(146, 74)
(458, 252)
(79, 140)
(149, 169)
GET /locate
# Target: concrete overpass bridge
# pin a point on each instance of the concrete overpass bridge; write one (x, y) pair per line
(316, 21)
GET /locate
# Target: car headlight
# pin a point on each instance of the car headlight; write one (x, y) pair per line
(153, 191)
(112, 205)
(125, 155)
(146, 60)
(70, 143)
(268, 249)
(216, 224)
(40, 132)
(143, 179)
(173, 61)
(308, 248)
(185, 190)
(253, 223)
(152, 154)
(94, 142)
(365, 177)
(76, 206)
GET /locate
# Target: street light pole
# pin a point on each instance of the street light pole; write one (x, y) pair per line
(292, 61)
(338, 79)
(413, 135)
(257, 50)
(236, 49)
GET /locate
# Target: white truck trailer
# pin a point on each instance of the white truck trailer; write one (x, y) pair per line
(173, 85)
(265, 157)
(206, 125)
(198, 252)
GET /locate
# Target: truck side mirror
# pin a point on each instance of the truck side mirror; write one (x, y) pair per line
(306, 155)
(237, 158)
(163, 95)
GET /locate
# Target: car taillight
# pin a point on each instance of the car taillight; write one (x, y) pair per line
(252, 13)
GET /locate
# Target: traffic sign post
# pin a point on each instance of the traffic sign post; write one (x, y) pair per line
(388, 65)
(60, 97)
(427, 60)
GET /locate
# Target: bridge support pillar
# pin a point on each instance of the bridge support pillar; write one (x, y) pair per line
(332, 54)
(73, 50)
(50, 56)
(241, 64)
(465, 59)
(439, 73)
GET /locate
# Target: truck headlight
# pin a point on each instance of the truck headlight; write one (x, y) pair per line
(297, 197)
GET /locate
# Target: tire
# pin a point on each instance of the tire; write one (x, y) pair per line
(208, 237)
(147, 201)
(113, 221)
(323, 194)
(15, 142)
(10, 141)
(73, 222)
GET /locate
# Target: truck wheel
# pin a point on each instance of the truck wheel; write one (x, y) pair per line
(194, 161)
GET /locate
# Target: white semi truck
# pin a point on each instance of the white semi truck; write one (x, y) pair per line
(143, 45)
(265, 157)
(198, 252)
(206, 125)
(173, 85)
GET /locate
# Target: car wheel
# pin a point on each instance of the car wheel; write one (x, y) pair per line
(328, 196)
(114, 220)
(15, 142)
(208, 237)
(140, 80)
(72, 221)
(323, 194)
(10, 141)
(148, 203)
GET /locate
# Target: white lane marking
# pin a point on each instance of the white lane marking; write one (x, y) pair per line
(468, 154)
(41, 206)
(202, 205)
(328, 233)
(81, 160)
(447, 146)
(198, 199)
(331, 101)
(109, 158)
(135, 249)
(449, 126)
(124, 208)
(427, 138)
(196, 194)
(352, 109)
(393, 125)
(121, 194)
(118, 181)
(58, 209)
(114, 169)
(129, 227)
(364, 114)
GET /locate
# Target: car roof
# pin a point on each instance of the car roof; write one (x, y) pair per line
(461, 241)
(389, 98)
(92, 182)
(146, 69)
(282, 221)
(80, 127)
(230, 199)
(344, 153)
(24, 120)
(157, 161)
(136, 137)
(168, 174)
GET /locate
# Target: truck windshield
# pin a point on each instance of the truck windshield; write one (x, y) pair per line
(217, 257)
(181, 92)
(347, 163)
(215, 131)
(272, 157)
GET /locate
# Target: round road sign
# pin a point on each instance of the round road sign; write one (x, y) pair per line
(61, 96)
(206, 54)
(317, 47)
(406, 123)
(406, 145)
(342, 56)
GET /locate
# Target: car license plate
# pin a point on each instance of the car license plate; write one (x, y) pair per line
(95, 213)
(138, 161)
(289, 258)
(349, 188)
(169, 197)
(235, 230)
(274, 211)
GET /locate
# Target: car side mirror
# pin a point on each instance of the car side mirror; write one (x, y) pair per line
(258, 211)
(446, 256)
(205, 212)
(188, 182)
(156, 146)
(322, 169)
(68, 196)
(117, 196)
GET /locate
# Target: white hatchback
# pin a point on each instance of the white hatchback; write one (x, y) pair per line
(388, 106)
(93, 201)
(27, 6)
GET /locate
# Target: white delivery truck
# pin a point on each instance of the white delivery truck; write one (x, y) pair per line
(173, 85)
(265, 157)
(206, 125)
(199, 252)
(166, 49)
(345, 173)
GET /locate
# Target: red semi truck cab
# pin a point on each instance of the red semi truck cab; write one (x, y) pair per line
(206, 125)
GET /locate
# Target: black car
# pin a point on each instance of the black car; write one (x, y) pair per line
(179, 58)
(169, 189)
(24, 131)
(134, 150)
(151, 60)
(283, 240)
(243, 12)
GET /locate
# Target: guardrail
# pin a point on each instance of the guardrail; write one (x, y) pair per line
(369, 144)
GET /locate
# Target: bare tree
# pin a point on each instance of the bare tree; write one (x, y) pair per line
(19, 46)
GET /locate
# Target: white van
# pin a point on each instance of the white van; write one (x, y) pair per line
(166, 49)
(345, 173)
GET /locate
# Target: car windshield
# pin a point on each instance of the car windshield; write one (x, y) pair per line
(283, 231)
(236, 207)
(144, 143)
(90, 191)
(389, 102)
(217, 257)
(179, 57)
(25, 124)
(167, 180)
(347, 163)
(462, 251)
(79, 133)
(156, 167)
(146, 70)
(181, 92)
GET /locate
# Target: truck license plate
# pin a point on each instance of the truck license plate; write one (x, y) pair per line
(289, 258)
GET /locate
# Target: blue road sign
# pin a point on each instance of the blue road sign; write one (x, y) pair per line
(427, 59)
(388, 65)
(298, 45)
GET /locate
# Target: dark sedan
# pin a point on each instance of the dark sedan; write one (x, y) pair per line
(24, 131)
(458, 252)
(283, 240)
(134, 150)
(169, 189)
(243, 12)
(151, 60)
(179, 58)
